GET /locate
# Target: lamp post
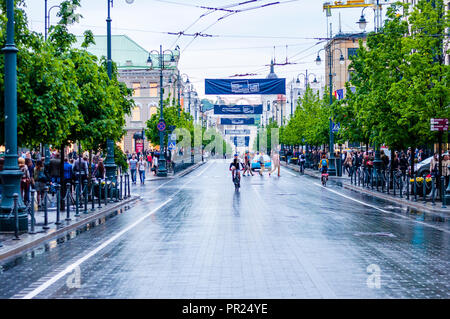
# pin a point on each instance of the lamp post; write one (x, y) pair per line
(11, 173)
(110, 165)
(306, 80)
(179, 79)
(162, 171)
(332, 168)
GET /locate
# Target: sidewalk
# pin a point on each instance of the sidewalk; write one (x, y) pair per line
(27, 241)
(345, 180)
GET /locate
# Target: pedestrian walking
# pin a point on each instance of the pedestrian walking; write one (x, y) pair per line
(348, 163)
(155, 164)
(261, 163)
(26, 180)
(133, 166)
(142, 164)
(301, 162)
(40, 180)
(275, 162)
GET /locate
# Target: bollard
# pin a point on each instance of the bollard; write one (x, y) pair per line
(16, 216)
(401, 188)
(377, 177)
(99, 193)
(69, 186)
(388, 182)
(33, 221)
(394, 184)
(443, 192)
(407, 186)
(433, 191)
(424, 190)
(85, 194)
(415, 188)
(129, 191)
(45, 208)
(92, 195)
(77, 199)
(120, 193)
(359, 176)
(58, 205)
(106, 191)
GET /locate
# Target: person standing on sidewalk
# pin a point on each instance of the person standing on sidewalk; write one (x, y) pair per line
(275, 162)
(142, 164)
(301, 162)
(133, 165)
(348, 163)
(155, 163)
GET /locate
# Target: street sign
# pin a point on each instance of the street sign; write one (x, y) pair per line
(172, 141)
(161, 126)
(439, 124)
(336, 127)
(172, 127)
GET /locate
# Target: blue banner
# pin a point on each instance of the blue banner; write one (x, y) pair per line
(237, 132)
(245, 86)
(237, 121)
(241, 141)
(237, 109)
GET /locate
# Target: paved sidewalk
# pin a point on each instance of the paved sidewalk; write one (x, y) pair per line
(345, 180)
(11, 247)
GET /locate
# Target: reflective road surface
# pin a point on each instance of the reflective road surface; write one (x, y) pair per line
(279, 237)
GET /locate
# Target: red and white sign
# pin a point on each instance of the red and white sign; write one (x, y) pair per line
(439, 124)
(139, 146)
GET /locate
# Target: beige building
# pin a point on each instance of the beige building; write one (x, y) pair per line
(347, 45)
(131, 60)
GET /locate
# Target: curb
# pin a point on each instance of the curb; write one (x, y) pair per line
(190, 169)
(64, 230)
(379, 195)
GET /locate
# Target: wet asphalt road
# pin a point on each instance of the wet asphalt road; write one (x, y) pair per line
(287, 237)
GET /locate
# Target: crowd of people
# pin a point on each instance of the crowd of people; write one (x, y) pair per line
(353, 159)
(38, 176)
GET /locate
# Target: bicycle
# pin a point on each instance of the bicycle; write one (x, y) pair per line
(324, 179)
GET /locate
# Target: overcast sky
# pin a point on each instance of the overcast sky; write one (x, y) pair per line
(246, 40)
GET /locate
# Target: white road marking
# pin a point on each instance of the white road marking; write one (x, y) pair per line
(289, 172)
(382, 210)
(42, 287)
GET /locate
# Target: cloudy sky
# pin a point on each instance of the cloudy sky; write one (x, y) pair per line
(242, 43)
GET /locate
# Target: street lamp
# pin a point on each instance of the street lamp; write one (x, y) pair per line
(110, 165)
(180, 78)
(11, 173)
(332, 168)
(162, 171)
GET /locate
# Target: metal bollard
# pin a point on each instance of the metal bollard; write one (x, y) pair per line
(376, 179)
(433, 191)
(85, 194)
(415, 188)
(77, 199)
(129, 191)
(33, 220)
(359, 176)
(401, 188)
(407, 186)
(424, 190)
(69, 186)
(106, 191)
(443, 192)
(394, 184)
(16, 216)
(92, 196)
(58, 204)
(388, 182)
(99, 193)
(120, 193)
(45, 208)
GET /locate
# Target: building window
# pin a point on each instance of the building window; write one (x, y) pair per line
(136, 89)
(352, 52)
(153, 89)
(136, 114)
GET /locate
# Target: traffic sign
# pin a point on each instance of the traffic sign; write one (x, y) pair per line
(336, 127)
(161, 126)
(172, 141)
(439, 124)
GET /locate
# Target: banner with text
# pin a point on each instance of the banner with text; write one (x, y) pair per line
(237, 121)
(245, 86)
(237, 132)
(241, 141)
(237, 109)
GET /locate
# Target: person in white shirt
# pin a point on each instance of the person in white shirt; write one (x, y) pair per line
(142, 164)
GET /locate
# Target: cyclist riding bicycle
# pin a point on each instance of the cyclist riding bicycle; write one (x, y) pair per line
(235, 167)
(323, 165)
